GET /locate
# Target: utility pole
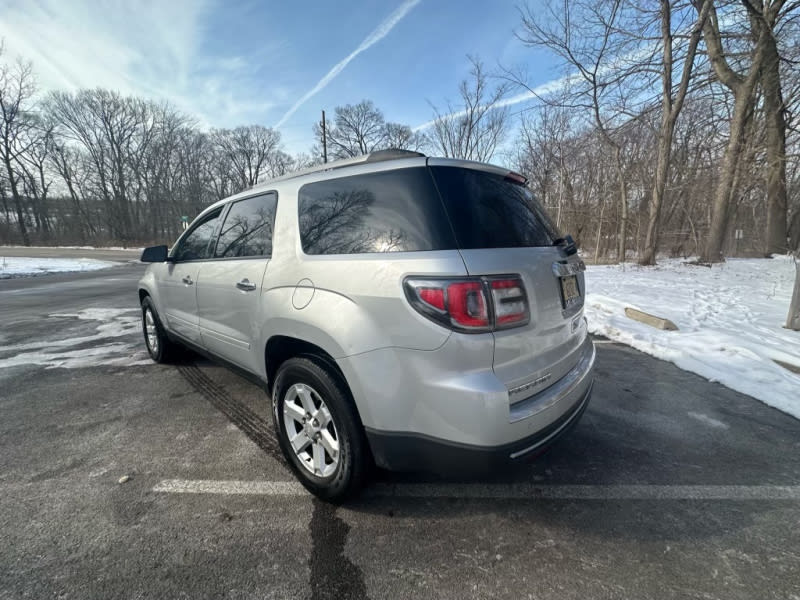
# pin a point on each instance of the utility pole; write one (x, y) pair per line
(324, 140)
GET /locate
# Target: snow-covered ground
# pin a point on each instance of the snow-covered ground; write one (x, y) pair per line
(72, 248)
(730, 319)
(27, 267)
(88, 338)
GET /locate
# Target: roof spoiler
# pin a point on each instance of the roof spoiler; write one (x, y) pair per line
(372, 157)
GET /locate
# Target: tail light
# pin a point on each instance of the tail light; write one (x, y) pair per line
(510, 302)
(472, 305)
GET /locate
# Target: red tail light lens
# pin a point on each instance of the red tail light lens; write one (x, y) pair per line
(432, 296)
(466, 303)
(474, 305)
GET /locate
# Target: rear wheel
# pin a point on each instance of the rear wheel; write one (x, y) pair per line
(160, 348)
(318, 429)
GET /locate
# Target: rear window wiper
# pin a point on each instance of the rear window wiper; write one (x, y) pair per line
(568, 244)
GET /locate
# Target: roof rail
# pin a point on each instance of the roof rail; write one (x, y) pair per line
(391, 154)
(377, 156)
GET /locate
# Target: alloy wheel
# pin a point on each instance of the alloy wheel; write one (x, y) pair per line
(310, 430)
(150, 330)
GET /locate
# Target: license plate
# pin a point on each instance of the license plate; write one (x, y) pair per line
(570, 294)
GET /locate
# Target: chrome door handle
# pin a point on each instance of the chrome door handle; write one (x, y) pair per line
(246, 286)
(187, 280)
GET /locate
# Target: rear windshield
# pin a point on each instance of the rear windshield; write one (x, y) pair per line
(490, 211)
(388, 211)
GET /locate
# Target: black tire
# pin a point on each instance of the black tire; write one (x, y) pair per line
(161, 349)
(349, 473)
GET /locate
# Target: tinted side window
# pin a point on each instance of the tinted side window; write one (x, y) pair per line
(490, 211)
(197, 243)
(389, 211)
(247, 230)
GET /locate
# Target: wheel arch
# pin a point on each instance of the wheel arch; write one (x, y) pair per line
(281, 347)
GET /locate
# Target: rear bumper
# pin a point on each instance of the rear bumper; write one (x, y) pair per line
(430, 411)
(411, 452)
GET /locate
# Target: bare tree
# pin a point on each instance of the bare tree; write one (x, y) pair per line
(474, 128)
(16, 90)
(250, 150)
(587, 37)
(402, 137)
(545, 145)
(742, 86)
(765, 17)
(34, 167)
(356, 129)
(671, 105)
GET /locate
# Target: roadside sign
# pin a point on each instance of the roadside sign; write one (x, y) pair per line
(184, 221)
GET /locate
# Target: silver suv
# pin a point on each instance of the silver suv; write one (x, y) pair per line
(421, 313)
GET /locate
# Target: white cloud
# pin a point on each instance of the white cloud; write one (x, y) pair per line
(148, 48)
(377, 34)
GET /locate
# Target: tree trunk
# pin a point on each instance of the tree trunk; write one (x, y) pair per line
(720, 210)
(774, 111)
(23, 230)
(793, 319)
(662, 172)
(622, 232)
(669, 115)
(599, 230)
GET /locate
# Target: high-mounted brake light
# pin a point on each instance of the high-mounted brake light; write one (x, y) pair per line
(516, 177)
(472, 304)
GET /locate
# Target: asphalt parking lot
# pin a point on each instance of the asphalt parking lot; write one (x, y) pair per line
(670, 487)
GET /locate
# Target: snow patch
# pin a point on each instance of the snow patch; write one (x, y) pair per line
(710, 421)
(730, 319)
(28, 267)
(120, 329)
(73, 248)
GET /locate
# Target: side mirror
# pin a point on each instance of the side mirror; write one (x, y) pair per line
(154, 254)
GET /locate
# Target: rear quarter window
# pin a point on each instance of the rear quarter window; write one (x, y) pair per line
(489, 211)
(247, 230)
(387, 211)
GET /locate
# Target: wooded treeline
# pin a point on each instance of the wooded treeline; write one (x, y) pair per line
(673, 130)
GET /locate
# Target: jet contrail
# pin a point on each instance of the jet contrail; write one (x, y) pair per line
(377, 34)
(540, 90)
(553, 85)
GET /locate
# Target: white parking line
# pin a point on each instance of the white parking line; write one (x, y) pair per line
(516, 491)
(206, 486)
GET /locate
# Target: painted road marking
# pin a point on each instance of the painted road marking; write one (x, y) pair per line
(205, 486)
(515, 491)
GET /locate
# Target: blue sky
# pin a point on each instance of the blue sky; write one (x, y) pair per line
(232, 63)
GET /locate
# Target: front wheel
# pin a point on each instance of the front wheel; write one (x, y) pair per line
(160, 348)
(318, 429)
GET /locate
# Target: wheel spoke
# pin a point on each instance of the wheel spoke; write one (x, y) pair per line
(331, 445)
(300, 442)
(319, 458)
(323, 416)
(305, 397)
(294, 411)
